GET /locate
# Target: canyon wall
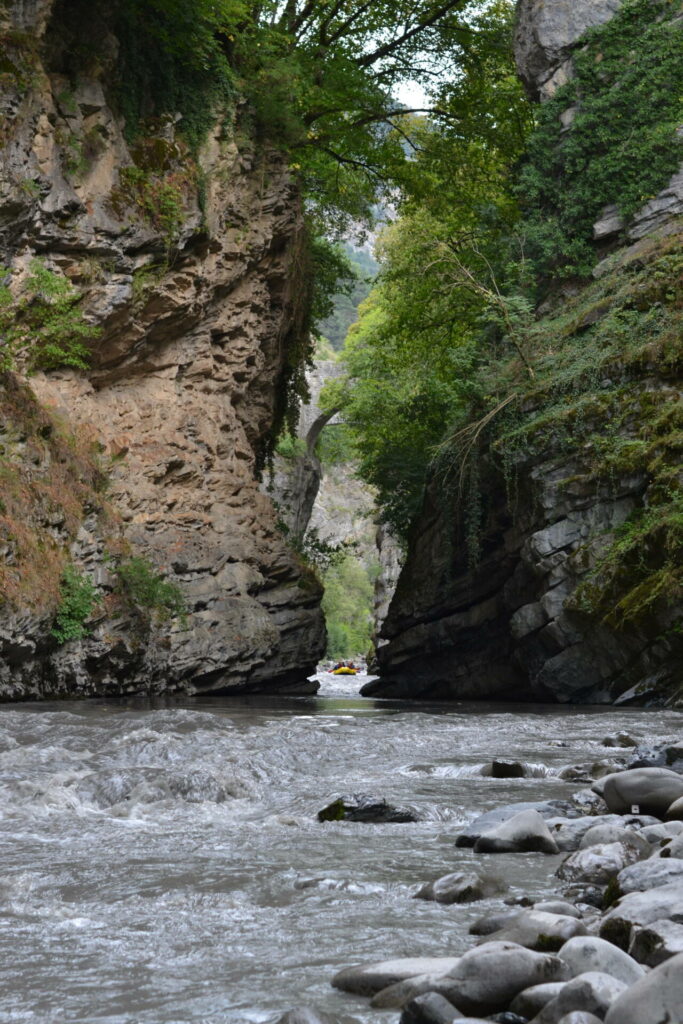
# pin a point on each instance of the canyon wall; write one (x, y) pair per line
(187, 268)
(534, 618)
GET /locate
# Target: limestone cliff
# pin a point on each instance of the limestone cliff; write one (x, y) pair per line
(576, 594)
(187, 271)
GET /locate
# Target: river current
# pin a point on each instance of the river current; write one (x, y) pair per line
(164, 865)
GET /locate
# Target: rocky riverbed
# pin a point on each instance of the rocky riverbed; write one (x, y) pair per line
(608, 948)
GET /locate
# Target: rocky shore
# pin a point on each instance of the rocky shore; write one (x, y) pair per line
(609, 948)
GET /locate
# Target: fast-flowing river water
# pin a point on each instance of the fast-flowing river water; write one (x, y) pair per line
(165, 864)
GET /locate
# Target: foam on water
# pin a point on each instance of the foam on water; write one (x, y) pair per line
(166, 866)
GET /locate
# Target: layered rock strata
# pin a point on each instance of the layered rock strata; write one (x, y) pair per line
(197, 306)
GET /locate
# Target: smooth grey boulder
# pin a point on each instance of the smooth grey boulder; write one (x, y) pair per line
(508, 770)
(526, 832)
(540, 931)
(675, 810)
(590, 953)
(557, 907)
(619, 739)
(461, 887)
(494, 922)
(650, 874)
(674, 848)
(304, 1015)
(667, 830)
(657, 942)
(591, 992)
(655, 999)
(367, 979)
(568, 832)
(638, 909)
(599, 834)
(430, 1008)
(579, 1017)
(597, 864)
(396, 996)
(488, 978)
(532, 1000)
(365, 808)
(485, 822)
(652, 790)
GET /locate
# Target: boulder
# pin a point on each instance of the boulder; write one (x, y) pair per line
(597, 864)
(532, 1000)
(396, 996)
(461, 887)
(652, 790)
(568, 832)
(579, 1017)
(367, 979)
(667, 830)
(485, 822)
(526, 832)
(619, 739)
(557, 907)
(656, 998)
(488, 978)
(657, 942)
(609, 833)
(494, 922)
(592, 992)
(589, 953)
(362, 807)
(430, 1008)
(647, 756)
(543, 932)
(674, 848)
(675, 810)
(508, 770)
(650, 874)
(638, 909)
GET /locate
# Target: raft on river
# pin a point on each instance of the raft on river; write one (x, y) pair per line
(344, 671)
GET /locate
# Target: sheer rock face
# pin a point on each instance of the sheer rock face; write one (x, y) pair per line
(508, 629)
(547, 31)
(196, 315)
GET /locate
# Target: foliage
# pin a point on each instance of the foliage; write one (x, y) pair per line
(317, 553)
(336, 445)
(159, 198)
(43, 327)
(78, 596)
(347, 604)
(289, 447)
(345, 303)
(623, 144)
(149, 591)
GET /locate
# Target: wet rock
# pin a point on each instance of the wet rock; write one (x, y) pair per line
(368, 979)
(530, 1002)
(652, 790)
(396, 996)
(674, 848)
(654, 999)
(675, 811)
(365, 808)
(542, 932)
(650, 874)
(488, 978)
(304, 1015)
(586, 895)
(526, 832)
(602, 834)
(589, 953)
(647, 757)
(430, 1008)
(597, 864)
(589, 802)
(461, 887)
(568, 832)
(658, 942)
(491, 923)
(558, 907)
(507, 770)
(638, 909)
(592, 992)
(579, 1017)
(508, 1018)
(666, 830)
(485, 822)
(620, 739)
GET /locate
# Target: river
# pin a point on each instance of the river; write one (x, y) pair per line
(164, 863)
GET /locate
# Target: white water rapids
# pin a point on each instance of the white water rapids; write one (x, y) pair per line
(164, 865)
